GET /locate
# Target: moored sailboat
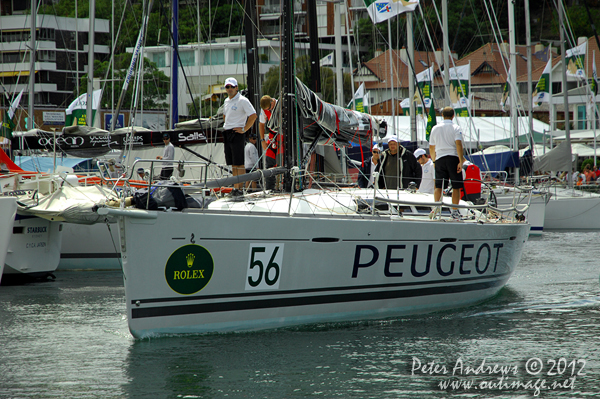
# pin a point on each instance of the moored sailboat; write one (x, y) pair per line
(8, 209)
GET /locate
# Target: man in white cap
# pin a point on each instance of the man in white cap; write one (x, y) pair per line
(398, 167)
(239, 116)
(428, 179)
(446, 149)
(366, 173)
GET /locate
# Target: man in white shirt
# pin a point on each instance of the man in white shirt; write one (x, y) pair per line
(251, 156)
(239, 116)
(446, 149)
(428, 179)
(168, 154)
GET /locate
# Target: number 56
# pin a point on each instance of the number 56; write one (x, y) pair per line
(264, 266)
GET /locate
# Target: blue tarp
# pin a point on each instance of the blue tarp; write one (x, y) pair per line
(496, 162)
(46, 164)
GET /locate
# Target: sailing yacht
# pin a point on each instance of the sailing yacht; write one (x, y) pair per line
(309, 255)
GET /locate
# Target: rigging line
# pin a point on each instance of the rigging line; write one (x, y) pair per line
(439, 20)
(478, 29)
(571, 37)
(114, 46)
(462, 15)
(185, 78)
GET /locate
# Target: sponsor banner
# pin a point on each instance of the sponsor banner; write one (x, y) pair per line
(98, 144)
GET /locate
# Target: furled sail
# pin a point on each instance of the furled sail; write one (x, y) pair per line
(329, 123)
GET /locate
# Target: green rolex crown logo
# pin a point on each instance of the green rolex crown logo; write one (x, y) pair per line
(189, 269)
(190, 260)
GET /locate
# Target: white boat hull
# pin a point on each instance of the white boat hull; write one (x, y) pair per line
(197, 272)
(573, 213)
(90, 247)
(8, 209)
(34, 248)
(535, 214)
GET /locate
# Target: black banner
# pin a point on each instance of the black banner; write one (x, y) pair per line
(92, 144)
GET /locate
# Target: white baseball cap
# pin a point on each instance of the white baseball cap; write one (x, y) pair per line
(393, 138)
(231, 81)
(419, 152)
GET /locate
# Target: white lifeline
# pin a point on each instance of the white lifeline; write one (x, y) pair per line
(263, 263)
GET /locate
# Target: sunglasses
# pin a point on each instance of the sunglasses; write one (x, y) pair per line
(375, 152)
(229, 86)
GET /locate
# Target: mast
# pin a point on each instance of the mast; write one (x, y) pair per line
(446, 50)
(338, 54)
(251, 52)
(89, 116)
(288, 89)
(174, 64)
(529, 89)
(313, 36)
(411, 78)
(564, 84)
(392, 102)
(30, 124)
(77, 48)
(513, 80)
(339, 74)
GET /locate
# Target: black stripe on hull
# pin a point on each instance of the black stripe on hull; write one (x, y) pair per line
(88, 255)
(314, 290)
(180, 310)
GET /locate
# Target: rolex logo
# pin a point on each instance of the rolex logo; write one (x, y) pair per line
(190, 259)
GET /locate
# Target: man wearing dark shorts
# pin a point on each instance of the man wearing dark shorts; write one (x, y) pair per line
(239, 116)
(446, 149)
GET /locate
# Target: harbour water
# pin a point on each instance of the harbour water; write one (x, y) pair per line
(538, 338)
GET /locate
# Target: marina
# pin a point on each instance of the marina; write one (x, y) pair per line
(70, 338)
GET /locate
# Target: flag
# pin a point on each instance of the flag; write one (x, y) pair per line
(504, 101)
(542, 89)
(7, 124)
(594, 85)
(543, 55)
(76, 112)
(424, 86)
(361, 100)
(14, 105)
(459, 89)
(575, 59)
(405, 105)
(327, 60)
(382, 10)
(431, 121)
